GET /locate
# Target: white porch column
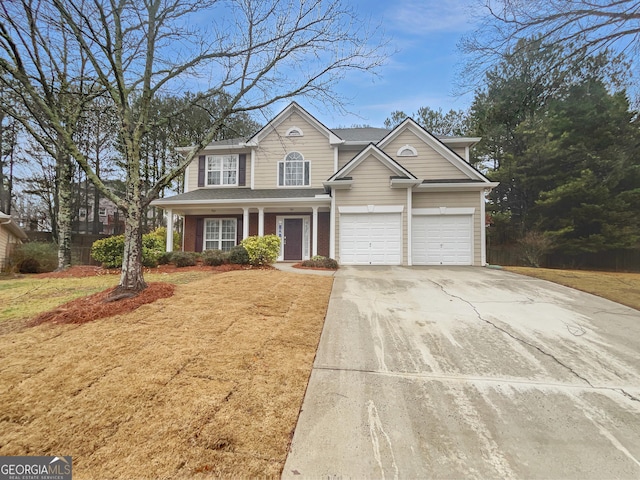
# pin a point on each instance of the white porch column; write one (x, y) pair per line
(245, 222)
(261, 221)
(409, 225)
(314, 249)
(332, 226)
(169, 230)
(483, 228)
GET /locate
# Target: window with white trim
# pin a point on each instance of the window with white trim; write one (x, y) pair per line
(222, 170)
(220, 233)
(293, 171)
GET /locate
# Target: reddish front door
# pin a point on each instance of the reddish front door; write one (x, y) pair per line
(293, 239)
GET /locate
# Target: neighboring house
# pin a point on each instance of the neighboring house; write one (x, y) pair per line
(111, 221)
(364, 196)
(10, 234)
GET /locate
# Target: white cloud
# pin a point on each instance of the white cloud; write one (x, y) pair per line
(423, 17)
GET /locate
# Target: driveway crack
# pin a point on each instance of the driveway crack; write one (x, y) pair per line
(515, 337)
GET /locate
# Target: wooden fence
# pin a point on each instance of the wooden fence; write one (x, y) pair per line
(613, 260)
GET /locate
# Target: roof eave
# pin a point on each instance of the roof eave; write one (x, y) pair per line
(458, 186)
(338, 184)
(162, 203)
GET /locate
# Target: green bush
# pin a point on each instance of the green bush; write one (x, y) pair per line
(153, 247)
(34, 257)
(214, 258)
(320, 262)
(165, 258)
(184, 259)
(110, 251)
(262, 250)
(239, 255)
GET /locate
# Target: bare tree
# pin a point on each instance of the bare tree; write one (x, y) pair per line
(582, 27)
(259, 52)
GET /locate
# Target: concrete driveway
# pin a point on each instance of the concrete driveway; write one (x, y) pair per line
(462, 372)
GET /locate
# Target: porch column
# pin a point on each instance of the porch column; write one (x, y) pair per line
(314, 249)
(332, 226)
(169, 230)
(260, 221)
(245, 222)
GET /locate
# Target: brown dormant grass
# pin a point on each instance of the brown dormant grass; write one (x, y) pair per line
(207, 383)
(620, 287)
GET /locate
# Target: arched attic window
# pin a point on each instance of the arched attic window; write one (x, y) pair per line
(294, 132)
(407, 151)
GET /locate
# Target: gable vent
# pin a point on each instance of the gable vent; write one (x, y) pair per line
(407, 151)
(294, 132)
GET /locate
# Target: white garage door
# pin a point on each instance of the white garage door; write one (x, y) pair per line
(371, 239)
(441, 240)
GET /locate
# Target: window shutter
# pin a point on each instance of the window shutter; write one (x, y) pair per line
(242, 169)
(199, 234)
(281, 174)
(306, 173)
(201, 171)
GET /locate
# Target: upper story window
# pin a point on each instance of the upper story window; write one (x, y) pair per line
(293, 171)
(407, 151)
(294, 132)
(222, 170)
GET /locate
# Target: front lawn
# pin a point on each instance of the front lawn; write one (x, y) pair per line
(620, 287)
(206, 383)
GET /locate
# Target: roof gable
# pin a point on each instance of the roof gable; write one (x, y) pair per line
(436, 144)
(293, 107)
(378, 154)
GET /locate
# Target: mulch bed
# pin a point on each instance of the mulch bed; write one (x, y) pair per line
(80, 271)
(99, 305)
(301, 267)
(96, 306)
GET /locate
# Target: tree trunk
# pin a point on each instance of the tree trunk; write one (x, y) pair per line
(131, 280)
(65, 213)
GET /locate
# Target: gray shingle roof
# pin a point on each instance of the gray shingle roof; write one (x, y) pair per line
(244, 193)
(365, 134)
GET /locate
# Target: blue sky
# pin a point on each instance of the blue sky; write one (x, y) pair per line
(423, 72)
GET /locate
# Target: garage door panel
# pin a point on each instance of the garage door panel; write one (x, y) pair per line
(442, 240)
(371, 239)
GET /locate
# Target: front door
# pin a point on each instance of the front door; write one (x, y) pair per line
(293, 239)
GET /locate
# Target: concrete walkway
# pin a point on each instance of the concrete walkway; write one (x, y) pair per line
(469, 373)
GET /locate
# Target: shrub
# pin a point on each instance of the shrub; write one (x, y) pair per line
(184, 259)
(262, 250)
(34, 257)
(239, 255)
(533, 246)
(165, 258)
(214, 258)
(110, 251)
(320, 262)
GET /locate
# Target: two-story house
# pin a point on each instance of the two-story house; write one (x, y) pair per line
(364, 196)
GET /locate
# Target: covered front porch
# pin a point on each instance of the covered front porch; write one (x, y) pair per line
(300, 218)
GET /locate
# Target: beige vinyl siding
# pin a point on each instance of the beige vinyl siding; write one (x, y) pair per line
(191, 178)
(456, 200)
(4, 241)
(6, 238)
(429, 164)
(344, 156)
(461, 151)
(371, 186)
(313, 145)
